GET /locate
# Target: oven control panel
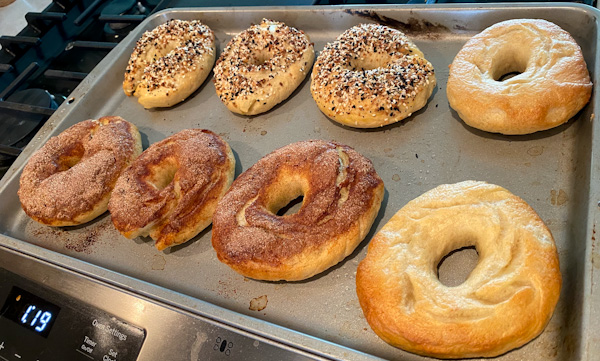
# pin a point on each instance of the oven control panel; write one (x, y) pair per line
(39, 325)
(49, 312)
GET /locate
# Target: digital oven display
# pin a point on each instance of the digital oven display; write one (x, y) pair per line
(30, 311)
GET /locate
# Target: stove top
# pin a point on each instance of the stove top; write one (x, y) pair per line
(44, 62)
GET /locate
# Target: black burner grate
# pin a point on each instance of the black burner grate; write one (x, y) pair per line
(51, 56)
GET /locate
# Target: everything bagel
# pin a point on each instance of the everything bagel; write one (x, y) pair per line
(371, 76)
(262, 66)
(169, 63)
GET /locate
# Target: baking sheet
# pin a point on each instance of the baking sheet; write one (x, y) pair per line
(555, 171)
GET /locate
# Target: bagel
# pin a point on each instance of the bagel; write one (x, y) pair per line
(262, 66)
(341, 193)
(170, 192)
(506, 301)
(69, 180)
(552, 84)
(169, 63)
(371, 76)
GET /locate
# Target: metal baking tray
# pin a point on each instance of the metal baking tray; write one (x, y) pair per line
(556, 171)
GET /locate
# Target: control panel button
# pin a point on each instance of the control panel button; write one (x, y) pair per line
(107, 338)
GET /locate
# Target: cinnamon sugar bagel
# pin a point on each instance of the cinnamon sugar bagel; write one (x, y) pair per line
(551, 86)
(262, 66)
(170, 192)
(371, 76)
(70, 179)
(169, 63)
(506, 301)
(342, 195)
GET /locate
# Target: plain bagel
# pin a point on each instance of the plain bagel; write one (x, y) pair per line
(262, 66)
(551, 86)
(169, 63)
(506, 301)
(342, 195)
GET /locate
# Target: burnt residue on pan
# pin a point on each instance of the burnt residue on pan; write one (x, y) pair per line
(83, 243)
(77, 242)
(76, 239)
(413, 26)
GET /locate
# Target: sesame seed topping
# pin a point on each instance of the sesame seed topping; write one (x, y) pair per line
(257, 54)
(168, 51)
(370, 64)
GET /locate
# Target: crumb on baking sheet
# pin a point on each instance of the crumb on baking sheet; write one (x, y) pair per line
(258, 303)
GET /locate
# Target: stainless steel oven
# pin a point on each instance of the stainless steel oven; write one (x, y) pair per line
(86, 292)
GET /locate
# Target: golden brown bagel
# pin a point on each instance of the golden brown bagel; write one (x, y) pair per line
(262, 66)
(342, 195)
(506, 301)
(169, 63)
(371, 76)
(170, 192)
(553, 83)
(70, 179)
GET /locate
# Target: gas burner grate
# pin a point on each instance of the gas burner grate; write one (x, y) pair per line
(52, 55)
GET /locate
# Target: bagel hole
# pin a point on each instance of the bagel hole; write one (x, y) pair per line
(163, 178)
(455, 267)
(509, 65)
(368, 62)
(260, 58)
(508, 75)
(291, 208)
(71, 157)
(68, 163)
(286, 199)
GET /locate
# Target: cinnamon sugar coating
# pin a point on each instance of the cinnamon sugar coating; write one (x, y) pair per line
(170, 192)
(371, 76)
(69, 180)
(342, 195)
